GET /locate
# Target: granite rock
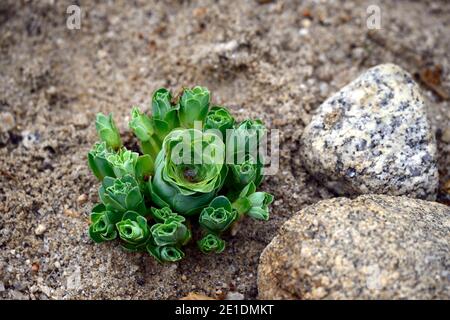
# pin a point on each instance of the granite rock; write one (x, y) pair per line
(372, 247)
(373, 136)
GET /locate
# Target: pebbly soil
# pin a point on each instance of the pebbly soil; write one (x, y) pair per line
(275, 60)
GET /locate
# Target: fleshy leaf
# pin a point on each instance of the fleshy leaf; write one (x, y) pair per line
(211, 243)
(134, 231)
(165, 254)
(170, 233)
(98, 163)
(194, 104)
(103, 222)
(122, 194)
(161, 103)
(219, 118)
(217, 219)
(107, 131)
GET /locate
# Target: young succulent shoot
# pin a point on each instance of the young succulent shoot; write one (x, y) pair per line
(149, 133)
(218, 216)
(219, 118)
(98, 163)
(252, 203)
(123, 162)
(170, 232)
(103, 224)
(134, 231)
(150, 200)
(244, 173)
(211, 243)
(166, 253)
(246, 139)
(164, 214)
(107, 131)
(122, 194)
(194, 104)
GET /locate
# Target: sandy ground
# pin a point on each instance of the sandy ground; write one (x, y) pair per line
(277, 61)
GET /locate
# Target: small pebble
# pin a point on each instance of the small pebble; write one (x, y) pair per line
(35, 267)
(234, 296)
(303, 32)
(200, 12)
(82, 199)
(101, 54)
(7, 121)
(446, 135)
(52, 90)
(306, 23)
(71, 213)
(40, 229)
(183, 277)
(29, 139)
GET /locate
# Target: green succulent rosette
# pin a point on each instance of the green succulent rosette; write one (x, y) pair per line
(246, 139)
(123, 162)
(134, 231)
(218, 216)
(240, 175)
(161, 103)
(166, 253)
(211, 243)
(98, 163)
(103, 224)
(194, 105)
(149, 132)
(107, 131)
(260, 202)
(219, 118)
(126, 162)
(165, 213)
(189, 171)
(170, 232)
(122, 194)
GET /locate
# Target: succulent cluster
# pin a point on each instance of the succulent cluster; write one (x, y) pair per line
(198, 167)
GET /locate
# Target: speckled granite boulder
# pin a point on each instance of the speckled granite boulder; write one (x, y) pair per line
(373, 137)
(372, 247)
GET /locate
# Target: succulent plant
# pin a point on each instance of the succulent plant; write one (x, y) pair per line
(107, 131)
(219, 118)
(103, 224)
(134, 231)
(171, 232)
(211, 243)
(98, 163)
(194, 105)
(218, 216)
(179, 182)
(183, 177)
(122, 194)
